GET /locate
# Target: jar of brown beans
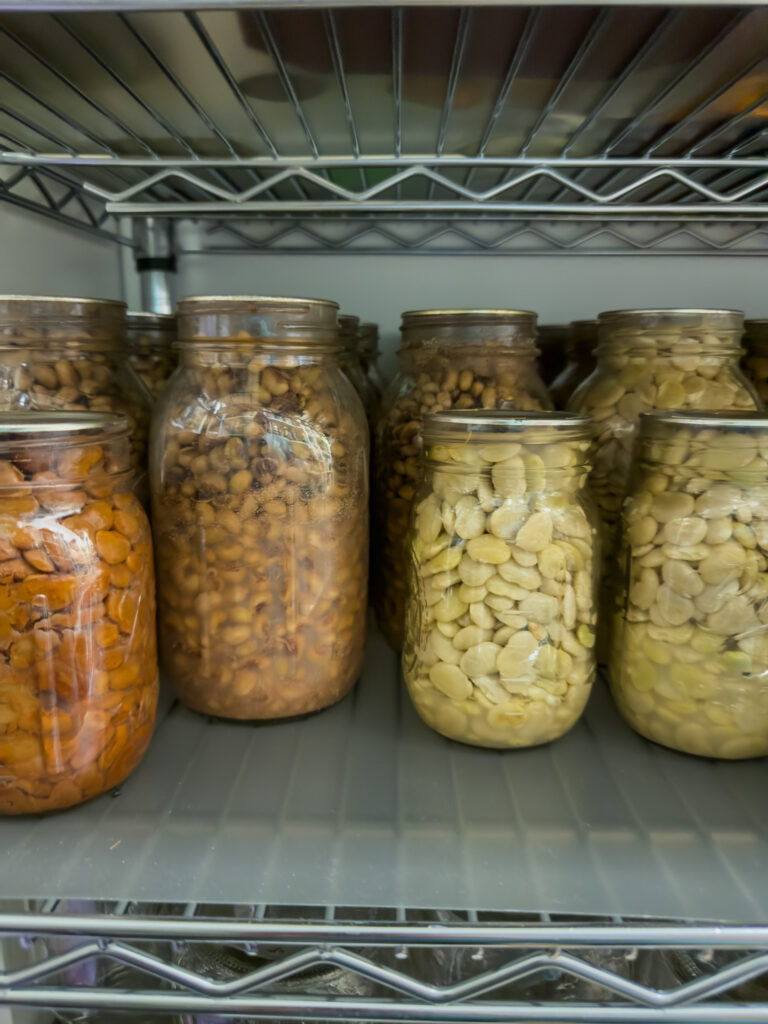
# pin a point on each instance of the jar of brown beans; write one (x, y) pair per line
(62, 353)
(259, 473)
(149, 337)
(450, 359)
(78, 658)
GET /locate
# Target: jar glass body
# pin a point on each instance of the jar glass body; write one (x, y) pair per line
(368, 345)
(351, 364)
(689, 666)
(501, 608)
(756, 357)
(581, 362)
(69, 354)
(78, 659)
(259, 474)
(150, 338)
(459, 361)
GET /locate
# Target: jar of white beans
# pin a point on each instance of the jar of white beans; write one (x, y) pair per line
(501, 607)
(689, 666)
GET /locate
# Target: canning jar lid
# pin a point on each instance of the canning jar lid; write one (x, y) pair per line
(491, 425)
(48, 426)
(727, 319)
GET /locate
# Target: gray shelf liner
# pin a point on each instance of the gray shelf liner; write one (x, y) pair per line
(363, 805)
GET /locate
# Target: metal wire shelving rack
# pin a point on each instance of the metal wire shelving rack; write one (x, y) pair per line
(355, 866)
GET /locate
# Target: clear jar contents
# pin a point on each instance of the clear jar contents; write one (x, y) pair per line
(259, 473)
(689, 667)
(450, 359)
(70, 354)
(756, 357)
(78, 660)
(368, 347)
(580, 351)
(150, 337)
(349, 336)
(501, 607)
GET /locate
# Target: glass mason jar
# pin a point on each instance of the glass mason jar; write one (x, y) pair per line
(349, 336)
(450, 359)
(368, 347)
(655, 359)
(259, 476)
(552, 341)
(690, 652)
(756, 358)
(580, 350)
(149, 337)
(70, 354)
(502, 605)
(78, 658)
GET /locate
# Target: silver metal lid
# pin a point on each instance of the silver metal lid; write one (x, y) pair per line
(45, 425)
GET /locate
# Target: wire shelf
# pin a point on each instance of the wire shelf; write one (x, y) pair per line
(325, 116)
(388, 964)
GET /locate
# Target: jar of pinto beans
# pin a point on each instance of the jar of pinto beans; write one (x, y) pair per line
(78, 661)
(259, 473)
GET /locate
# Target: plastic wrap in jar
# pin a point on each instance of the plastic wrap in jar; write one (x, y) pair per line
(69, 354)
(689, 667)
(450, 359)
(349, 337)
(259, 473)
(368, 345)
(78, 661)
(580, 351)
(500, 622)
(756, 357)
(150, 338)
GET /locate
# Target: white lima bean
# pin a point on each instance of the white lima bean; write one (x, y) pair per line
(689, 667)
(648, 360)
(499, 645)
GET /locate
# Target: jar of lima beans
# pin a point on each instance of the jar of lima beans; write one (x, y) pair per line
(149, 338)
(501, 608)
(690, 648)
(259, 474)
(69, 354)
(756, 357)
(78, 660)
(450, 359)
(580, 350)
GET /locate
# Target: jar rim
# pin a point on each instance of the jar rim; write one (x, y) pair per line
(47, 425)
(219, 303)
(748, 420)
(501, 423)
(51, 299)
(490, 314)
(671, 312)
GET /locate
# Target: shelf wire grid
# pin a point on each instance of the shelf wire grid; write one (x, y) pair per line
(332, 117)
(332, 963)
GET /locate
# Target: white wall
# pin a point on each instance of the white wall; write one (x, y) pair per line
(559, 288)
(42, 257)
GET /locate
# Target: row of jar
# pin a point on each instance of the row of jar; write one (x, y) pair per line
(259, 479)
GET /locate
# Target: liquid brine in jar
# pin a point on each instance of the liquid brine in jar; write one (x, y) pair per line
(259, 473)
(689, 666)
(78, 660)
(69, 354)
(150, 338)
(449, 360)
(500, 623)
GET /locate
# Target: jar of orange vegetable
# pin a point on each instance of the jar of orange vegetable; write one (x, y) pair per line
(78, 662)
